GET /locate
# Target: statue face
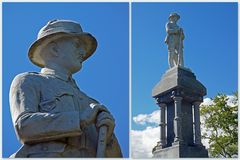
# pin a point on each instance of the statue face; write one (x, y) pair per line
(70, 54)
(174, 19)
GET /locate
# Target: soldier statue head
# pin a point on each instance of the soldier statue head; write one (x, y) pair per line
(174, 17)
(61, 41)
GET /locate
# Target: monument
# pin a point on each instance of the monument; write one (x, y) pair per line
(178, 94)
(51, 115)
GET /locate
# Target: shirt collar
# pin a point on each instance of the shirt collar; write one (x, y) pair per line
(56, 73)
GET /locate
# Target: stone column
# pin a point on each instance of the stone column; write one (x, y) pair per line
(197, 123)
(162, 124)
(177, 119)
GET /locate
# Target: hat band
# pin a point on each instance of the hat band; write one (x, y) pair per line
(57, 30)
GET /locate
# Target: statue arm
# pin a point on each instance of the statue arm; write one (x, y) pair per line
(183, 35)
(30, 124)
(113, 148)
(172, 30)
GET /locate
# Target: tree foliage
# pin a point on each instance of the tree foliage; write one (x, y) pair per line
(220, 122)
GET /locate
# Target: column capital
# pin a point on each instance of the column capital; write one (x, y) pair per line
(177, 98)
(162, 124)
(197, 103)
(159, 100)
(161, 104)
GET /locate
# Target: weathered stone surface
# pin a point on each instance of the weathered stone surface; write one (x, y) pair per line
(174, 41)
(51, 115)
(180, 91)
(181, 151)
(179, 78)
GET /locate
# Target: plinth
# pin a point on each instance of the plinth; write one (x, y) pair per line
(179, 95)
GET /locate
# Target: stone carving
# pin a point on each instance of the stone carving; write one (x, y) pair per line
(174, 41)
(51, 115)
(179, 95)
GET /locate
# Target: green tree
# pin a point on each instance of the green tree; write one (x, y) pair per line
(220, 123)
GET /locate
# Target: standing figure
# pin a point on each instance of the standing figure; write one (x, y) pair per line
(51, 115)
(174, 40)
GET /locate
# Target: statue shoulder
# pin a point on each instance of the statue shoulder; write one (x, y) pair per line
(28, 78)
(91, 100)
(27, 75)
(167, 25)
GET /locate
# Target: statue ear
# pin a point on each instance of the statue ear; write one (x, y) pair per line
(54, 49)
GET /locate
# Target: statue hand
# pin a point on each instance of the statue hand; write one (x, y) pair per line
(105, 118)
(89, 114)
(181, 30)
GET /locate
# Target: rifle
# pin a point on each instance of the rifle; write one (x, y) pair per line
(180, 52)
(102, 139)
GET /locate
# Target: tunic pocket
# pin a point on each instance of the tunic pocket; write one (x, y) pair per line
(48, 105)
(57, 103)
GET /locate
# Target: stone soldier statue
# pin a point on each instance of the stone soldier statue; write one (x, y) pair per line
(174, 40)
(51, 115)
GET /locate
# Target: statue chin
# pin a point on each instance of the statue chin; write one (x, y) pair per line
(76, 69)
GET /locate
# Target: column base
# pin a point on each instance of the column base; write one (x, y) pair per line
(159, 146)
(179, 142)
(181, 151)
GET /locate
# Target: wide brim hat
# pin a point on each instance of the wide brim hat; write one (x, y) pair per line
(173, 15)
(57, 29)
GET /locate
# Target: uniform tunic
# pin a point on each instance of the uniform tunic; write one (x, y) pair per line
(45, 110)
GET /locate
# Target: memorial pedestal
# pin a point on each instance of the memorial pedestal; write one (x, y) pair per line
(179, 95)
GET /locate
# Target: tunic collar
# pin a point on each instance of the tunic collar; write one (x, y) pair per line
(56, 73)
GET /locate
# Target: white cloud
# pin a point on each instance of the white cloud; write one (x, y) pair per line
(232, 101)
(143, 141)
(207, 102)
(153, 118)
(205, 142)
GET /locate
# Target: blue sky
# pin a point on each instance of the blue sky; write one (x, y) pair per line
(210, 48)
(104, 76)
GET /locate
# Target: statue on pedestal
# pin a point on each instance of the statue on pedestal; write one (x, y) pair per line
(51, 115)
(174, 40)
(176, 94)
